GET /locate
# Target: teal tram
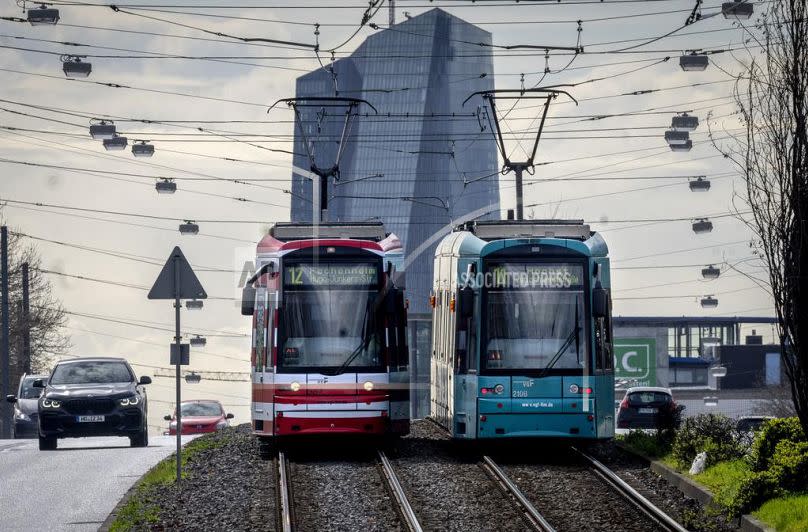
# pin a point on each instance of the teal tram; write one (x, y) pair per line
(521, 332)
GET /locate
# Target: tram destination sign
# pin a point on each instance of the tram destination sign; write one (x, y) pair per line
(325, 274)
(534, 275)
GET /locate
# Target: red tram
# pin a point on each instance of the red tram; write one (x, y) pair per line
(329, 338)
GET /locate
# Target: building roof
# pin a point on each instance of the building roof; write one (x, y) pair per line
(671, 321)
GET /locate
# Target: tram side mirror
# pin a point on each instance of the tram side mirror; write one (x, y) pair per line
(600, 302)
(466, 300)
(248, 301)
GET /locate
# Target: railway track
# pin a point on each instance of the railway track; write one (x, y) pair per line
(286, 520)
(285, 500)
(619, 485)
(403, 507)
(538, 522)
(531, 514)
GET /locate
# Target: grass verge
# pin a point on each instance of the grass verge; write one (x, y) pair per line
(723, 479)
(141, 509)
(786, 514)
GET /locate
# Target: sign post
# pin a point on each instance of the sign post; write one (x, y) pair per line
(177, 281)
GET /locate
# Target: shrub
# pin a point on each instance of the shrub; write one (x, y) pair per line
(713, 433)
(753, 491)
(649, 445)
(787, 472)
(771, 433)
(789, 465)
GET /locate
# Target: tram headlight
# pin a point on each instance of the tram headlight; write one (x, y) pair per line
(295, 386)
(499, 389)
(368, 386)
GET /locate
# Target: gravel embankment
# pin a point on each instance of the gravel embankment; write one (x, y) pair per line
(688, 512)
(227, 487)
(572, 498)
(446, 490)
(340, 489)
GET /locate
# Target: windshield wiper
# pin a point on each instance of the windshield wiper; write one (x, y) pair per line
(572, 336)
(361, 347)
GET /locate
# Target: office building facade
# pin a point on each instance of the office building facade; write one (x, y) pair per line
(422, 162)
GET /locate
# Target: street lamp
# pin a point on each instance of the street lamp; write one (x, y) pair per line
(711, 401)
(165, 186)
(710, 272)
(709, 302)
(684, 122)
(700, 184)
(193, 304)
(687, 146)
(143, 149)
(676, 137)
(739, 9)
(43, 16)
(198, 341)
(192, 378)
(189, 228)
(702, 226)
(74, 68)
(694, 61)
(103, 130)
(116, 143)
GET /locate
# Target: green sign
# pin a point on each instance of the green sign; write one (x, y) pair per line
(331, 275)
(635, 361)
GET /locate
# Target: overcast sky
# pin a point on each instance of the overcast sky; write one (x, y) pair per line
(242, 92)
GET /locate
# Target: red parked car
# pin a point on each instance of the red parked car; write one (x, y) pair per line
(199, 417)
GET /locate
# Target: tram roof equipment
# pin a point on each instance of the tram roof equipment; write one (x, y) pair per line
(286, 231)
(499, 229)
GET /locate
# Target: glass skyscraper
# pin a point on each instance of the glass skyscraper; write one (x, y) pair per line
(423, 163)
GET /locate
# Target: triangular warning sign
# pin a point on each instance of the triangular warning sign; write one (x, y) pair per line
(166, 286)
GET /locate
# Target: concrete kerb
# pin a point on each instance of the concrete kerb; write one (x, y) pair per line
(695, 490)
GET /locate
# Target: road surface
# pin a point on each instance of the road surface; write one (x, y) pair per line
(74, 488)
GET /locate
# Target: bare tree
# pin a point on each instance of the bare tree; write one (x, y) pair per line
(771, 93)
(46, 318)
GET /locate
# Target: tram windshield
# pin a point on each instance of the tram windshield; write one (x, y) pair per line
(535, 317)
(328, 318)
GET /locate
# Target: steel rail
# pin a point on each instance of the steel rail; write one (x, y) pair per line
(534, 517)
(285, 494)
(404, 507)
(632, 495)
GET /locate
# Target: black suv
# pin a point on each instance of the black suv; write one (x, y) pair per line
(92, 397)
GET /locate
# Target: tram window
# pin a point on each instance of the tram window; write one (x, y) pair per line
(548, 328)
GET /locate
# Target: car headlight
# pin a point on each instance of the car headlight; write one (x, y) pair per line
(129, 401)
(221, 425)
(51, 403)
(22, 416)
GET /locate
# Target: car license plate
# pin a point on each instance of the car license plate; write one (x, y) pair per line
(647, 410)
(90, 419)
